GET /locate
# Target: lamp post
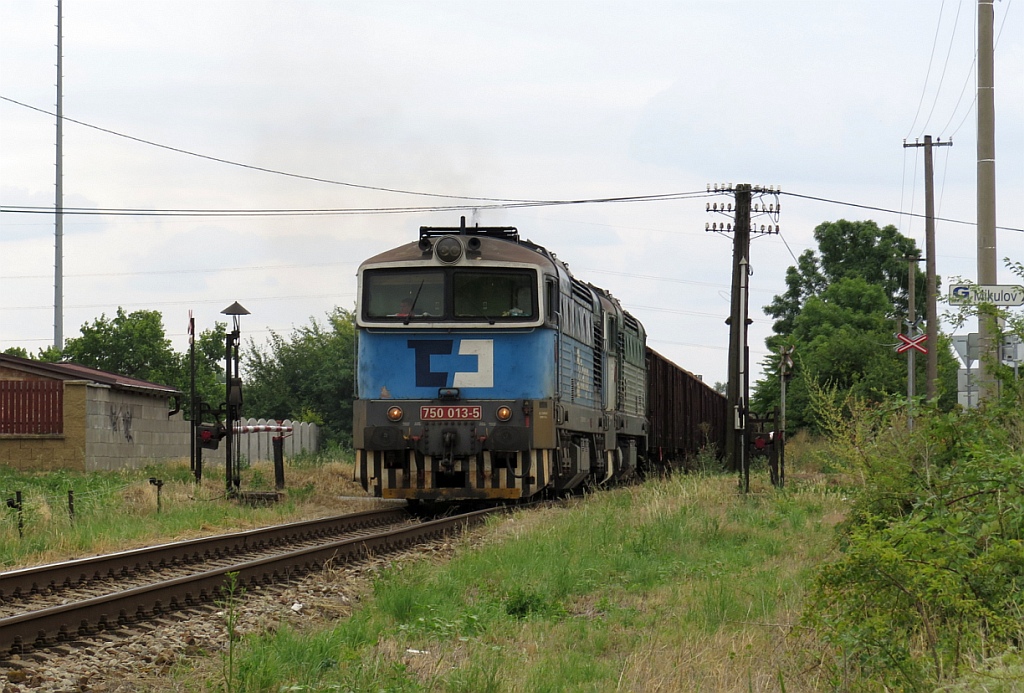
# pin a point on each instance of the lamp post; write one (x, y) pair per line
(233, 396)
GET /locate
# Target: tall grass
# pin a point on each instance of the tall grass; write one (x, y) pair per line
(678, 584)
(115, 510)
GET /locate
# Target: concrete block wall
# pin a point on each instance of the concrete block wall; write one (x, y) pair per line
(127, 429)
(108, 429)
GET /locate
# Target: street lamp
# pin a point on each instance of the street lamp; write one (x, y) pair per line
(233, 395)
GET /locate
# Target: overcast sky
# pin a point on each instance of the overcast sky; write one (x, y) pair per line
(514, 100)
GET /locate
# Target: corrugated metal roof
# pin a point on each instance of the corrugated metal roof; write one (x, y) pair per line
(74, 371)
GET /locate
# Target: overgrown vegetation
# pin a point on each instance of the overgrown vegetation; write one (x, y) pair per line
(114, 510)
(930, 585)
(678, 584)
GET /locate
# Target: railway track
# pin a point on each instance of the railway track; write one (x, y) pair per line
(59, 603)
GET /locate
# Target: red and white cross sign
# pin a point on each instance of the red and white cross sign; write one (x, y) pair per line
(911, 343)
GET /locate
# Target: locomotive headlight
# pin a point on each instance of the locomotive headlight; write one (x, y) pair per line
(503, 413)
(448, 250)
(395, 414)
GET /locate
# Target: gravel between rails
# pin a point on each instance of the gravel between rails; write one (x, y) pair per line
(139, 658)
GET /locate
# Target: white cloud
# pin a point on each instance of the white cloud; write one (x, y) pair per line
(518, 99)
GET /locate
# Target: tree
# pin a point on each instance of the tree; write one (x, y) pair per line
(841, 310)
(849, 248)
(210, 353)
(308, 377)
(131, 344)
(48, 354)
(843, 336)
(135, 345)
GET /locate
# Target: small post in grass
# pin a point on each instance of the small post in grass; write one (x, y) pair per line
(15, 504)
(159, 483)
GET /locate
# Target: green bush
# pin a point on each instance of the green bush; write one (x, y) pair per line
(932, 570)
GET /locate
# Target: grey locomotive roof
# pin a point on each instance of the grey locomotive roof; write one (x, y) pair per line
(491, 249)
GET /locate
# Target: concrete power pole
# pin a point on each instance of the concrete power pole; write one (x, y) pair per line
(58, 234)
(987, 328)
(931, 289)
(737, 439)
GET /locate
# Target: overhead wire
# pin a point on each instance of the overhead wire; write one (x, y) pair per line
(942, 185)
(786, 243)
(199, 270)
(263, 169)
(920, 103)
(492, 202)
(397, 210)
(970, 73)
(893, 211)
(345, 211)
(928, 72)
(251, 167)
(945, 64)
(913, 194)
(973, 73)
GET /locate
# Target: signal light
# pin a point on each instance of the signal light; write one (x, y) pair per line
(209, 435)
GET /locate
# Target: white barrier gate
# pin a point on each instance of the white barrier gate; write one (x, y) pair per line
(255, 436)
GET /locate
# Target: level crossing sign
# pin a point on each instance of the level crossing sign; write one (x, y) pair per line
(907, 343)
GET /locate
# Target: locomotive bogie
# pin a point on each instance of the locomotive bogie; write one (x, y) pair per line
(488, 475)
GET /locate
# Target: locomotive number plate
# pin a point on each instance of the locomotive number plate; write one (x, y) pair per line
(450, 413)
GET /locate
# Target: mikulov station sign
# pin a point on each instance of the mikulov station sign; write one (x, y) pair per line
(996, 294)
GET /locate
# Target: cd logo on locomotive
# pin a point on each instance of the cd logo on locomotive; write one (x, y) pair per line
(471, 366)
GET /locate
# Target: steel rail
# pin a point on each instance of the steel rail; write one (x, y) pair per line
(25, 581)
(68, 622)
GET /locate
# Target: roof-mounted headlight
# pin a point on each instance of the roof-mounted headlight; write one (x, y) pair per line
(448, 250)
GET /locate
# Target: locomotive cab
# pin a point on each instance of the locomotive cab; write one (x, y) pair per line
(455, 378)
(485, 370)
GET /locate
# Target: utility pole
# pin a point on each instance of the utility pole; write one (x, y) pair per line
(931, 289)
(785, 370)
(737, 440)
(987, 327)
(58, 234)
(232, 399)
(911, 332)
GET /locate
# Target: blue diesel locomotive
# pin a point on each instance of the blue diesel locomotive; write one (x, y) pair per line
(485, 370)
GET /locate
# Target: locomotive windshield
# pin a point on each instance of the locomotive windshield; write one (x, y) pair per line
(403, 293)
(489, 295)
(455, 294)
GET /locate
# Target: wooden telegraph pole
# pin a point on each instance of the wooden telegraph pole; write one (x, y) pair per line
(931, 288)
